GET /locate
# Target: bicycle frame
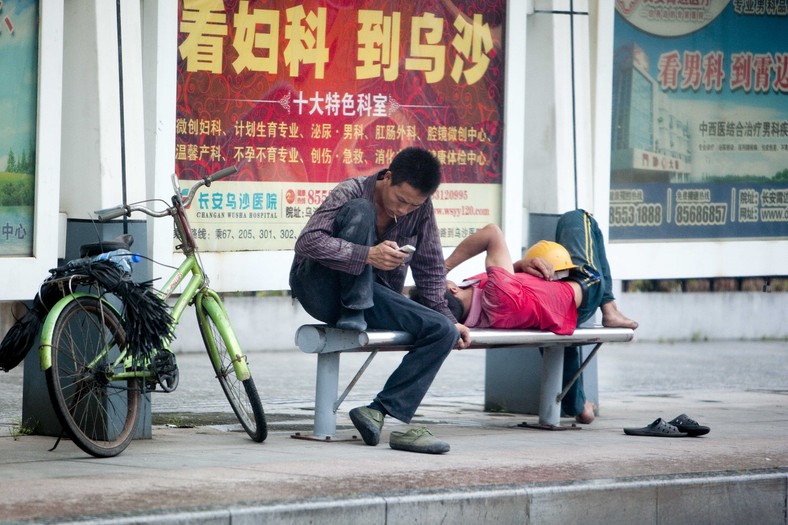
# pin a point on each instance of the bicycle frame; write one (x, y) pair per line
(203, 297)
(194, 292)
(95, 373)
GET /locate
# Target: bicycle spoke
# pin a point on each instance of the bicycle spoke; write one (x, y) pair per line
(242, 395)
(97, 410)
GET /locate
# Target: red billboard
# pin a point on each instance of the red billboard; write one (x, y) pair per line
(301, 96)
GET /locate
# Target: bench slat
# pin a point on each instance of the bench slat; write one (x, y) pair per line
(317, 339)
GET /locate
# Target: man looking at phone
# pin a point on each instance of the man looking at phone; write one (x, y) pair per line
(349, 272)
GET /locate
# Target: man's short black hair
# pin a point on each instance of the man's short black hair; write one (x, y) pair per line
(455, 305)
(418, 167)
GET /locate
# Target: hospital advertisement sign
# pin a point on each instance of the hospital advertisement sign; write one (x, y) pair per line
(699, 143)
(302, 95)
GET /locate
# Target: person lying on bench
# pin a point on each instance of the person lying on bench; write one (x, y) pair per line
(349, 272)
(555, 287)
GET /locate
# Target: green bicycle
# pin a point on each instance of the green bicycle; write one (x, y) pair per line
(94, 377)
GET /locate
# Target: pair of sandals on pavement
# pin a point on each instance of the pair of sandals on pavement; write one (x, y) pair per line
(680, 426)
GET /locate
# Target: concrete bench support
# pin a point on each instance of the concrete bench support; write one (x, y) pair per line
(328, 343)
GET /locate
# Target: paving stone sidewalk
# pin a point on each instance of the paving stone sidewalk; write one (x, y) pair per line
(209, 473)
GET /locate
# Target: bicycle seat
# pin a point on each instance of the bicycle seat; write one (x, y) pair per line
(121, 242)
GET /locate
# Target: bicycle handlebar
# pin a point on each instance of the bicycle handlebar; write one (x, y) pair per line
(108, 214)
(220, 174)
(206, 181)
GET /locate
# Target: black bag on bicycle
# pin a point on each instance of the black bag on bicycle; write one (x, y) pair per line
(146, 318)
(21, 337)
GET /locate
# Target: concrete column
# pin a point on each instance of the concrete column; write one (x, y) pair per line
(94, 136)
(558, 129)
(159, 71)
(101, 140)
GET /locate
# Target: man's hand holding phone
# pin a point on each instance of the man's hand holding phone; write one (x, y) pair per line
(386, 256)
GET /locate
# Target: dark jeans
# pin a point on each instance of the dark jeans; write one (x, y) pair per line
(579, 233)
(323, 291)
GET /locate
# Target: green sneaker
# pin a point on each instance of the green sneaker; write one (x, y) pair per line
(418, 440)
(368, 422)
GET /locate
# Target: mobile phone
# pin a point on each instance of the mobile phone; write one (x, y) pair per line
(407, 249)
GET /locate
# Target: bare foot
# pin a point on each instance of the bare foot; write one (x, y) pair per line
(613, 318)
(586, 417)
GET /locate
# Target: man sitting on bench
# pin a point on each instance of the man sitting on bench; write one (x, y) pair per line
(349, 272)
(555, 287)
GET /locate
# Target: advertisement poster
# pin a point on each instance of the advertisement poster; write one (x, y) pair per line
(302, 95)
(18, 103)
(700, 121)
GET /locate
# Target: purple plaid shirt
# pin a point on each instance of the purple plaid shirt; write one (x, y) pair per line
(417, 228)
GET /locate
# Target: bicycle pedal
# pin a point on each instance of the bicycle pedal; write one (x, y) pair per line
(166, 369)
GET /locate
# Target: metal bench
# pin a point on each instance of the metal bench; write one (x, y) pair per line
(328, 343)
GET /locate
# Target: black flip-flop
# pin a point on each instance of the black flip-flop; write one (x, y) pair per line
(659, 428)
(686, 424)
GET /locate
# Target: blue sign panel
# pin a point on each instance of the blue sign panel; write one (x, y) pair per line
(699, 142)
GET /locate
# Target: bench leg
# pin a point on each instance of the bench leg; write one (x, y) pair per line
(552, 383)
(326, 388)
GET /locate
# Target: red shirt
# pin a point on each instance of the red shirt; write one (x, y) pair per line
(521, 300)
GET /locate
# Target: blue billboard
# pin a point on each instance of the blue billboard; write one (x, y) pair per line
(699, 143)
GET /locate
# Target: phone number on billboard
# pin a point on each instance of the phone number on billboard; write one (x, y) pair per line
(636, 214)
(701, 214)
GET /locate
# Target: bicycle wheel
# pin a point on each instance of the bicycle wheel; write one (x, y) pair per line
(242, 395)
(97, 412)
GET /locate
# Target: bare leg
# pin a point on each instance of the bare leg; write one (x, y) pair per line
(613, 318)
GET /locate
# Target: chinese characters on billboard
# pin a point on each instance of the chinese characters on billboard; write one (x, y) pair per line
(700, 121)
(18, 107)
(301, 95)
